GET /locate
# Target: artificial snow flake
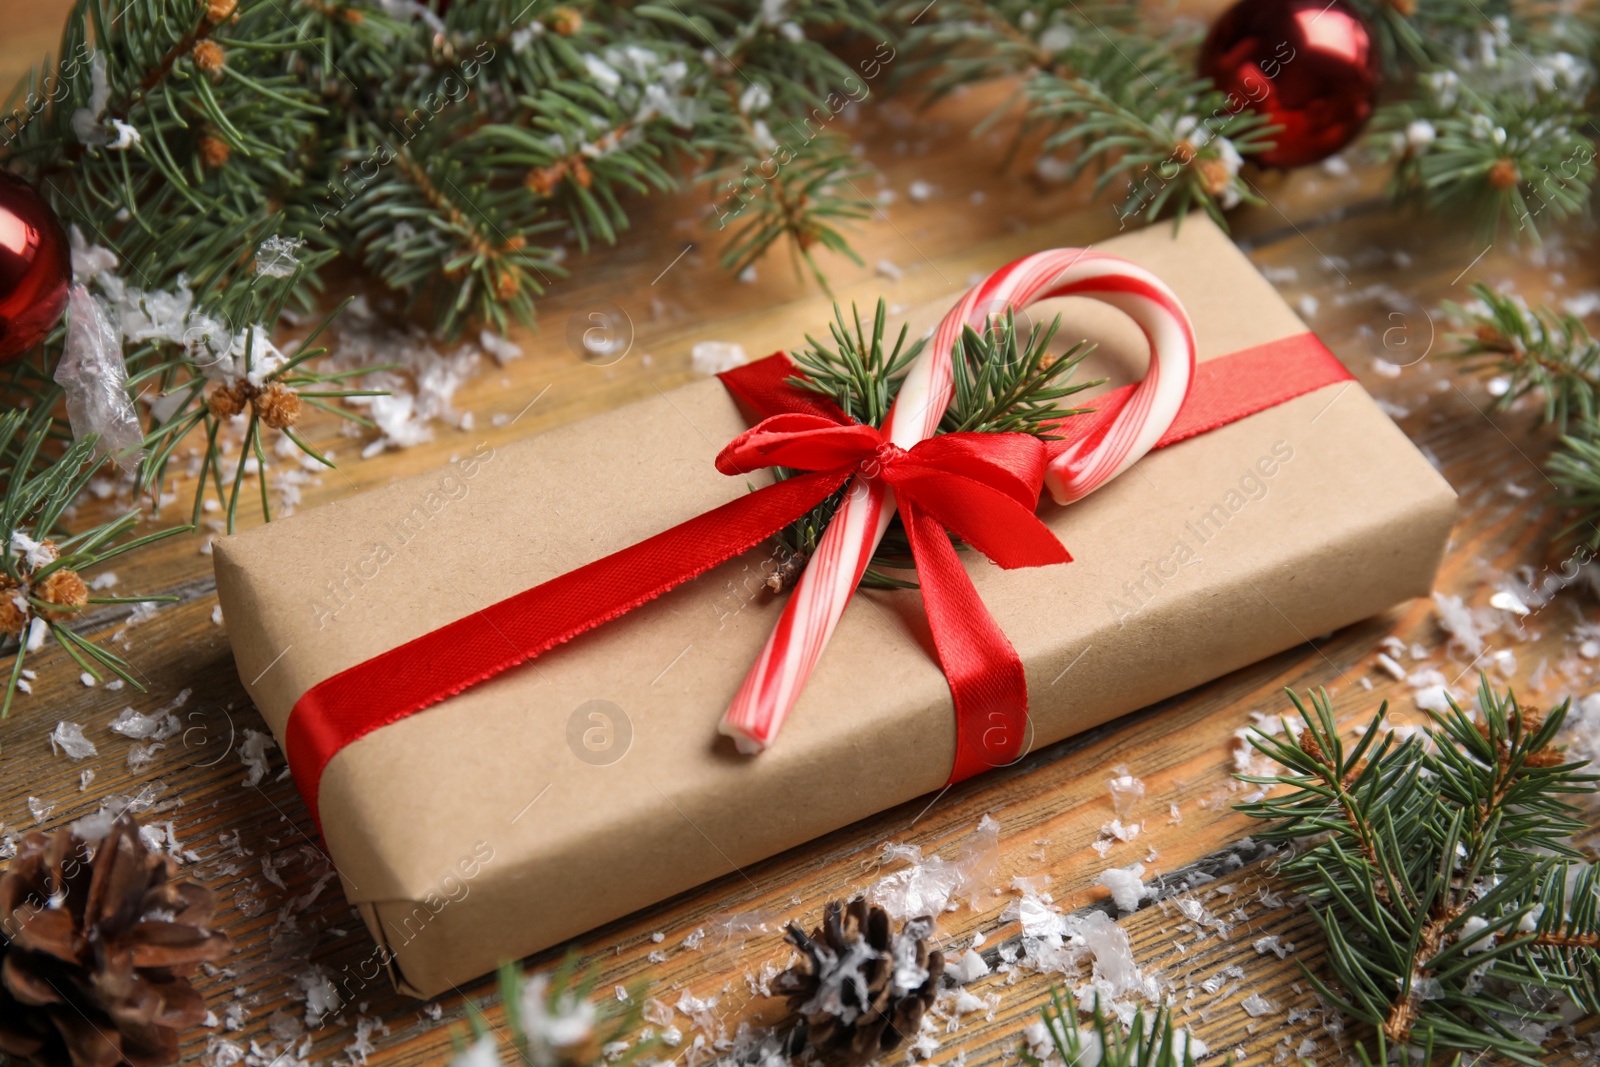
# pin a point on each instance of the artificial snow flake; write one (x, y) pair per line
(484, 1052)
(715, 357)
(35, 554)
(968, 967)
(68, 737)
(931, 886)
(253, 754)
(1126, 792)
(1126, 885)
(278, 256)
(126, 136)
(94, 377)
(1256, 1005)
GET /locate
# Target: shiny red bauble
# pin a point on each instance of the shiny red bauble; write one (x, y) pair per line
(1310, 66)
(35, 268)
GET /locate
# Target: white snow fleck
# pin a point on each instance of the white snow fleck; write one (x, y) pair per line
(1256, 1005)
(278, 257)
(253, 754)
(715, 357)
(1126, 792)
(1126, 885)
(68, 737)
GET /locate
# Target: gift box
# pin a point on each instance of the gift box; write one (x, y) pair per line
(592, 781)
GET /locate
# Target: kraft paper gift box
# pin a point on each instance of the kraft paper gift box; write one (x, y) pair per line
(592, 782)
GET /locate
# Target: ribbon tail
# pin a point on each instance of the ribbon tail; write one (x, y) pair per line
(459, 655)
(985, 673)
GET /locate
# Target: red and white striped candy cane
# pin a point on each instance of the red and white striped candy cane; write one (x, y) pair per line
(779, 674)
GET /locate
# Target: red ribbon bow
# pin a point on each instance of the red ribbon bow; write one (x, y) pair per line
(983, 487)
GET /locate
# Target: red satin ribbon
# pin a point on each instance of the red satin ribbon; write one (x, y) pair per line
(982, 487)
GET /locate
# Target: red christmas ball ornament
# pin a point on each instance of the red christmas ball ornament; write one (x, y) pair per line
(35, 267)
(1311, 66)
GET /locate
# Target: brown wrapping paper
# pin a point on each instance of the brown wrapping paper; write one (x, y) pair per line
(484, 829)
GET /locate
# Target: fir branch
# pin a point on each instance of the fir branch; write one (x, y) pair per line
(1430, 865)
(1134, 113)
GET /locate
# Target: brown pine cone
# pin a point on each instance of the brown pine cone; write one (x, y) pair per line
(848, 989)
(100, 978)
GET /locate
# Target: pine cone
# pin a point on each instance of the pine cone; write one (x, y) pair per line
(98, 949)
(854, 989)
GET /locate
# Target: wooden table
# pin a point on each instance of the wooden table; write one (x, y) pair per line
(1329, 241)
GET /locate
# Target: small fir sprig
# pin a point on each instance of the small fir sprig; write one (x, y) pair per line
(802, 203)
(42, 586)
(552, 1021)
(1153, 1041)
(1441, 870)
(1552, 357)
(1003, 383)
(998, 389)
(857, 372)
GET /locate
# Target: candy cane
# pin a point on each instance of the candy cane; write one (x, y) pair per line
(780, 672)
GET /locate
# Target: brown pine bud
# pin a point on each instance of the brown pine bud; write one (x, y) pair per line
(214, 151)
(580, 173)
(1184, 151)
(508, 283)
(278, 406)
(65, 589)
(565, 21)
(218, 11)
(1307, 741)
(543, 180)
(13, 617)
(1504, 174)
(225, 402)
(1404, 8)
(208, 56)
(1214, 176)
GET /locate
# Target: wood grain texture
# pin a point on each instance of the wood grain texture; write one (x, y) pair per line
(1374, 276)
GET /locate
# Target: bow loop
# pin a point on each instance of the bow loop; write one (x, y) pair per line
(800, 441)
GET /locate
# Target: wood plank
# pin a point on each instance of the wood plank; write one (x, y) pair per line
(1342, 247)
